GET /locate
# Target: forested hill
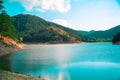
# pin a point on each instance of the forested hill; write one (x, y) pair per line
(106, 35)
(35, 29)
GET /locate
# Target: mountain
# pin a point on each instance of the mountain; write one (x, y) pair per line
(106, 35)
(116, 38)
(52, 35)
(86, 32)
(35, 29)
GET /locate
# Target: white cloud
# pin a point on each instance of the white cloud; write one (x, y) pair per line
(64, 23)
(45, 5)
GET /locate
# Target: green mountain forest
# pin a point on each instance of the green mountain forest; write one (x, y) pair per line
(35, 29)
(31, 28)
(103, 36)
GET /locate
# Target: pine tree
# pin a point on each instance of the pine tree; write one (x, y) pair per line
(1, 6)
(6, 27)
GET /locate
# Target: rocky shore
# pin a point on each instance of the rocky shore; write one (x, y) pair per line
(5, 75)
(8, 46)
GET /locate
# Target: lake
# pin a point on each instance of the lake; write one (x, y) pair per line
(90, 61)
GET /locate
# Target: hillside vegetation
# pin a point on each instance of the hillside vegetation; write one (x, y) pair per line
(103, 36)
(7, 29)
(35, 29)
(52, 35)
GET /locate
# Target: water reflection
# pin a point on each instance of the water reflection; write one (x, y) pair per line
(64, 76)
(56, 74)
(5, 63)
(84, 71)
(62, 55)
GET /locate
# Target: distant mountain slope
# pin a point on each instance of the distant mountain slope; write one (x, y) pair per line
(86, 32)
(36, 29)
(52, 35)
(106, 35)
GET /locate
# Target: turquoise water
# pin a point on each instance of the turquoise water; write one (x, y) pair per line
(95, 61)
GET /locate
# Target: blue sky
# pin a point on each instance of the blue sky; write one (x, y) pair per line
(76, 14)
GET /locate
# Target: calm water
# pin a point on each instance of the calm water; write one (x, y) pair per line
(96, 61)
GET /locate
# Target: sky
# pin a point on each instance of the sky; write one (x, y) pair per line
(76, 14)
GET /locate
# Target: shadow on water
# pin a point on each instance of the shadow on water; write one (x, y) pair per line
(5, 63)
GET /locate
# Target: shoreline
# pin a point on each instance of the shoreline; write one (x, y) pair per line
(9, 46)
(65, 43)
(52, 43)
(7, 75)
(11, 52)
(7, 50)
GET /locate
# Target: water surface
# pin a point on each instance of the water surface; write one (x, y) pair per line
(96, 61)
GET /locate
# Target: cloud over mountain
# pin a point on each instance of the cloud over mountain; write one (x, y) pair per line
(46, 5)
(63, 23)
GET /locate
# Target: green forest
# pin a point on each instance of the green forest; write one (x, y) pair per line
(35, 29)
(6, 27)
